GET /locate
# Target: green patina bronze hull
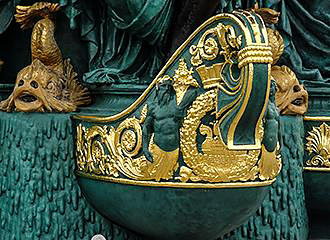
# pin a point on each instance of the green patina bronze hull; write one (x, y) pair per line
(173, 213)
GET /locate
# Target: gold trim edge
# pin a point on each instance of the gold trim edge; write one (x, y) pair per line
(317, 118)
(175, 184)
(317, 169)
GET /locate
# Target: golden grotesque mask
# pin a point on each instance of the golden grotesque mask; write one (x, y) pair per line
(39, 88)
(291, 96)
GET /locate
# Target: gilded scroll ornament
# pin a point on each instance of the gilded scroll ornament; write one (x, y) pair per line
(207, 47)
(318, 146)
(112, 151)
(49, 83)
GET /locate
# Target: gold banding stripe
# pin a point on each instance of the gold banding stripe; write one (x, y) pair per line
(175, 184)
(317, 118)
(317, 169)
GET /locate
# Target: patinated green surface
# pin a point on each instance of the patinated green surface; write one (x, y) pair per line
(317, 191)
(283, 213)
(39, 195)
(272, 135)
(173, 213)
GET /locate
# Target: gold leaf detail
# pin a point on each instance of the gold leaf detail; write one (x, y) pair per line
(123, 145)
(216, 163)
(318, 146)
(144, 113)
(270, 163)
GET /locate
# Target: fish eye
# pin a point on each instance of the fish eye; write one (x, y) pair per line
(34, 84)
(20, 83)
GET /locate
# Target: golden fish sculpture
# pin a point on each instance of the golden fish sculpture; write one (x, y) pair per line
(49, 83)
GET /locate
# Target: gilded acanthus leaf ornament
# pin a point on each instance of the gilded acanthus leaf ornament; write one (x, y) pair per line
(49, 83)
(318, 146)
(270, 163)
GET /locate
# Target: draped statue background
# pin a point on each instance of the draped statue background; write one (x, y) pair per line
(127, 41)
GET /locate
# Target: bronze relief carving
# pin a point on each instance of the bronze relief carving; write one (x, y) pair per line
(49, 83)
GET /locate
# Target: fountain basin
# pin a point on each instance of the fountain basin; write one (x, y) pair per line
(173, 212)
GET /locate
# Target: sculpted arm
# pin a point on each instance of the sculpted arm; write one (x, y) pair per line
(147, 131)
(188, 98)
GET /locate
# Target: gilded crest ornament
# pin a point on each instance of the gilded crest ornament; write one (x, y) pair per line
(182, 80)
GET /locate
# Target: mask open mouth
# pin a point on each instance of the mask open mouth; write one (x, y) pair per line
(27, 102)
(298, 101)
(297, 106)
(27, 98)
